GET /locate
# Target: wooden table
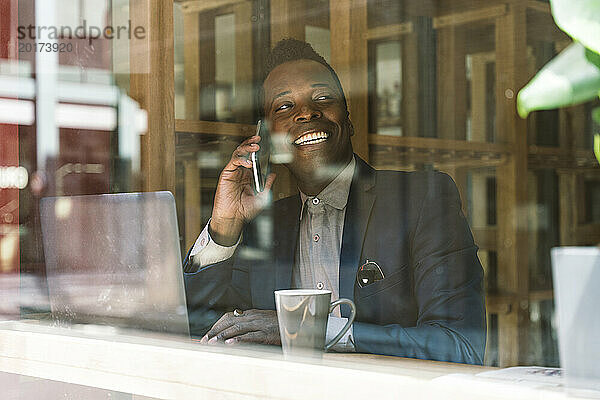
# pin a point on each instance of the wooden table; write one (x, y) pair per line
(174, 368)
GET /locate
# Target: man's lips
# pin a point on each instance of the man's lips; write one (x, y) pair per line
(312, 137)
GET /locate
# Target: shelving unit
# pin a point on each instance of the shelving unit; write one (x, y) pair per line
(495, 162)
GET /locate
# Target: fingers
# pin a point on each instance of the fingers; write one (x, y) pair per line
(223, 323)
(239, 158)
(237, 329)
(250, 337)
(229, 326)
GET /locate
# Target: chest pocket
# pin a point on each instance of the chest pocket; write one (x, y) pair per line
(388, 301)
(397, 278)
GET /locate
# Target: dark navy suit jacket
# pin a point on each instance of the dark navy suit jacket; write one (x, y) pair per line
(429, 305)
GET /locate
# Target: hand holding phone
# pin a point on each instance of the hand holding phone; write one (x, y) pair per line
(236, 201)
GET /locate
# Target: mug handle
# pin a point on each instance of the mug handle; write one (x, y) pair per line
(348, 324)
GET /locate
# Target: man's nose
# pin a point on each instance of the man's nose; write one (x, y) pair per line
(307, 113)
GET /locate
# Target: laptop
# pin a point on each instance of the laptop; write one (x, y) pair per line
(114, 259)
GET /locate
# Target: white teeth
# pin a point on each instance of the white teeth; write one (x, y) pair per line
(311, 138)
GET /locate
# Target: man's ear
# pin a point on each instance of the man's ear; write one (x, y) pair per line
(350, 127)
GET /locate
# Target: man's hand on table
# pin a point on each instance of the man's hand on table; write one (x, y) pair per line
(253, 326)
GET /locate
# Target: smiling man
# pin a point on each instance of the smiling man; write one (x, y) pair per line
(395, 243)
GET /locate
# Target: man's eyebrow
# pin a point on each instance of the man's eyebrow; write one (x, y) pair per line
(281, 94)
(320, 85)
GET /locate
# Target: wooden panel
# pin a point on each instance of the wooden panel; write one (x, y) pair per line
(438, 144)
(479, 207)
(243, 98)
(287, 20)
(538, 6)
(191, 65)
(542, 157)
(452, 83)
(9, 157)
(568, 215)
(410, 85)
(511, 75)
(479, 94)
(485, 238)
(501, 304)
(152, 85)
(458, 173)
(349, 59)
(587, 235)
(427, 94)
(481, 38)
(215, 128)
(390, 31)
(465, 17)
(542, 28)
(421, 8)
(193, 203)
(207, 51)
(541, 295)
(445, 7)
(198, 6)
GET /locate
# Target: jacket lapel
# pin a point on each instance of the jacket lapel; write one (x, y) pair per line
(358, 210)
(286, 235)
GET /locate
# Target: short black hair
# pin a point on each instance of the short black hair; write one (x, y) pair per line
(292, 50)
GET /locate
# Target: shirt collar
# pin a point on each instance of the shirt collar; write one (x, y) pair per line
(336, 193)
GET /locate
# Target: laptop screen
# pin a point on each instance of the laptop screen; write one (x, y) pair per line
(115, 259)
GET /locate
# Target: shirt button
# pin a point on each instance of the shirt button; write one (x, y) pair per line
(316, 201)
(202, 242)
(320, 285)
(316, 237)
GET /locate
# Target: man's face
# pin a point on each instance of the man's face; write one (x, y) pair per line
(304, 103)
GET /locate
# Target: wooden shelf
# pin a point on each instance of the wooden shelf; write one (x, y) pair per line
(465, 17)
(390, 31)
(198, 6)
(504, 303)
(214, 128)
(541, 295)
(587, 233)
(437, 144)
(500, 303)
(541, 157)
(399, 151)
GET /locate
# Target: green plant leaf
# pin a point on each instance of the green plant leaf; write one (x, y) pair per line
(570, 78)
(596, 115)
(592, 57)
(580, 19)
(597, 147)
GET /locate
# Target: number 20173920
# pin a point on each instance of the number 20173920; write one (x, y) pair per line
(45, 47)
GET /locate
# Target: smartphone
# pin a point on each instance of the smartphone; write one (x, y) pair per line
(260, 159)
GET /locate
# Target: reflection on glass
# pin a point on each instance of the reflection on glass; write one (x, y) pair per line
(225, 90)
(319, 38)
(70, 125)
(389, 88)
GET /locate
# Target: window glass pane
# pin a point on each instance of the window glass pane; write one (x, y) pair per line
(389, 88)
(394, 171)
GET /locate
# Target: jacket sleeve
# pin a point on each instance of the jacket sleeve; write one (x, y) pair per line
(447, 284)
(213, 290)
